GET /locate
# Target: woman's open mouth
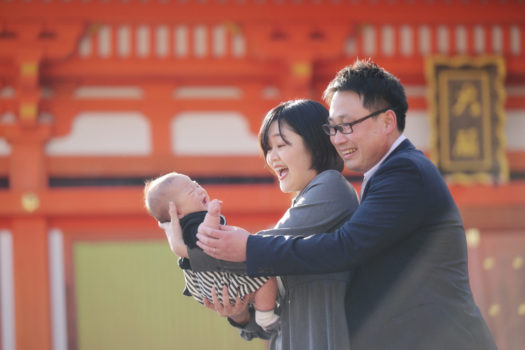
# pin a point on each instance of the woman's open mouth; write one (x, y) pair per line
(281, 173)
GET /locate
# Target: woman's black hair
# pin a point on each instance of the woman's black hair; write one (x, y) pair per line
(305, 118)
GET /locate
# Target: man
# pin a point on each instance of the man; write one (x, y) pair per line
(405, 242)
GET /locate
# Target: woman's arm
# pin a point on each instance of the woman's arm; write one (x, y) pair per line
(324, 204)
(238, 312)
(174, 233)
(199, 260)
(240, 315)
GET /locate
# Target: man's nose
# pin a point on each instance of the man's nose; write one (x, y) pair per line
(339, 137)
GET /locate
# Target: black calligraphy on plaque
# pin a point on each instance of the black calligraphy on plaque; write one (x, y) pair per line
(466, 99)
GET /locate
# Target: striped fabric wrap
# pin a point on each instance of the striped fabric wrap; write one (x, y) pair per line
(199, 284)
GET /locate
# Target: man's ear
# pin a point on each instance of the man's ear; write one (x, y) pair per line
(390, 121)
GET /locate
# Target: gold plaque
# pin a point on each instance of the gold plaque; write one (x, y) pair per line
(466, 106)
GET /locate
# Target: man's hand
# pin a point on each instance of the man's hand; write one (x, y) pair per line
(226, 243)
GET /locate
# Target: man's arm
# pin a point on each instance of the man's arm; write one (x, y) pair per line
(395, 204)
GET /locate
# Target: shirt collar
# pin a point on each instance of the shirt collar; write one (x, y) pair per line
(396, 143)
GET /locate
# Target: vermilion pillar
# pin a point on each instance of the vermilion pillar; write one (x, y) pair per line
(33, 43)
(27, 178)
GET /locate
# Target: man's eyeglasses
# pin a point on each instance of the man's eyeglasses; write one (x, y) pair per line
(347, 128)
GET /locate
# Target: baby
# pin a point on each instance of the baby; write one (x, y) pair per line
(193, 205)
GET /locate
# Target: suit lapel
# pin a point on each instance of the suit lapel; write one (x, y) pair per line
(404, 146)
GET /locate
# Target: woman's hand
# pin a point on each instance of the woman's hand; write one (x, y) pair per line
(174, 233)
(239, 312)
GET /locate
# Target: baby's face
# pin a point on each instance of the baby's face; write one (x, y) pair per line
(191, 197)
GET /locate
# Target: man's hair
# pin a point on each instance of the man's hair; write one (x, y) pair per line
(378, 88)
(304, 117)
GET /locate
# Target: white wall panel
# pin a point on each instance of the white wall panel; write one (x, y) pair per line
(207, 133)
(100, 134)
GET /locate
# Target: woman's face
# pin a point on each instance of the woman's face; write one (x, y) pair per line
(292, 161)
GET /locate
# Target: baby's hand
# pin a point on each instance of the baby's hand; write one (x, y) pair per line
(212, 218)
(214, 207)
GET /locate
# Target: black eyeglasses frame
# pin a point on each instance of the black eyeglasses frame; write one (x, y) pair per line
(331, 130)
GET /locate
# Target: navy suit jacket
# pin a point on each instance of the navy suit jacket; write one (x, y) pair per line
(406, 245)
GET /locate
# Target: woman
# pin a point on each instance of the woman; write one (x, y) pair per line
(304, 162)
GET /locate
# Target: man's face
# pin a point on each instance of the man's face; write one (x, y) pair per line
(368, 142)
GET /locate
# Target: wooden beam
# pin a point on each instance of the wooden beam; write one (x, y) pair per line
(286, 11)
(115, 201)
(249, 198)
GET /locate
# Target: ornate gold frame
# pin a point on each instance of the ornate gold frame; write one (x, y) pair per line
(435, 85)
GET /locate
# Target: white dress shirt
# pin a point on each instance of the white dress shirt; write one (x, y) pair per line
(373, 169)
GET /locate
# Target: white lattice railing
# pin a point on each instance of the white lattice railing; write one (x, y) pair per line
(227, 41)
(412, 40)
(163, 41)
